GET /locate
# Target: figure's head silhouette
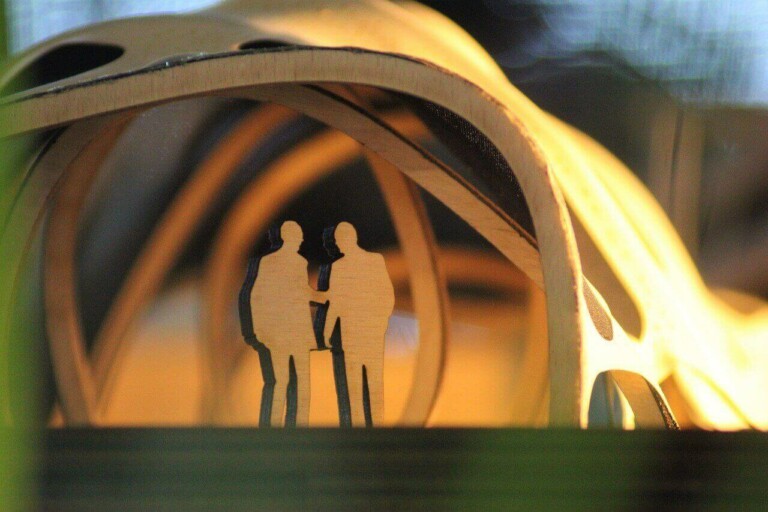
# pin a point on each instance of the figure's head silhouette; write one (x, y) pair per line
(346, 236)
(291, 235)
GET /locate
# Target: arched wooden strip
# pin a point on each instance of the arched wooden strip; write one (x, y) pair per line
(74, 377)
(145, 276)
(422, 81)
(466, 266)
(26, 213)
(171, 235)
(12, 255)
(689, 330)
(159, 253)
(424, 43)
(678, 338)
(165, 243)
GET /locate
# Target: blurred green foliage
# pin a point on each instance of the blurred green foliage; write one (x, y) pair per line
(15, 466)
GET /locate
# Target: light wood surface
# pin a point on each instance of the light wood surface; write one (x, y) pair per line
(546, 185)
(715, 354)
(159, 254)
(360, 301)
(177, 224)
(282, 320)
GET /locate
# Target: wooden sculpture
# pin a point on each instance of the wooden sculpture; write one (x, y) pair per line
(622, 295)
(275, 314)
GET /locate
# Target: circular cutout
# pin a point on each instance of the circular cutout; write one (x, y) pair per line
(60, 63)
(263, 44)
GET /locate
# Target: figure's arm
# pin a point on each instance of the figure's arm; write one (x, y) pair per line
(331, 316)
(317, 297)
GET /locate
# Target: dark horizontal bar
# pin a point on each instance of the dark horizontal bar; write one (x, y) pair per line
(401, 469)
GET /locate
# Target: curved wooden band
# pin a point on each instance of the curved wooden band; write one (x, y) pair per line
(560, 266)
(77, 147)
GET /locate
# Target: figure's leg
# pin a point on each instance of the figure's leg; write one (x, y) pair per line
(301, 363)
(280, 367)
(340, 381)
(290, 396)
(268, 390)
(374, 372)
(354, 367)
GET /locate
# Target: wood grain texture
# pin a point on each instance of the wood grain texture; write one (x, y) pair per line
(170, 236)
(160, 252)
(180, 219)
(358, 299)
(74, 376)
(713, 352)
(282, 320)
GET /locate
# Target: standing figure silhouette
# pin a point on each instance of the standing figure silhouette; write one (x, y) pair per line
(361, 298)
(278, 290)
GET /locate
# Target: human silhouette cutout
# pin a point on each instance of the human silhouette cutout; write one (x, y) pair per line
(282, 326)
(360, 296)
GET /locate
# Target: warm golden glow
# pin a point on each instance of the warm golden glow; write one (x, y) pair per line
(159, 380)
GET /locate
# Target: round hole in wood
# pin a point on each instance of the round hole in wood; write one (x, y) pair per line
(263, 44)
(62, 62)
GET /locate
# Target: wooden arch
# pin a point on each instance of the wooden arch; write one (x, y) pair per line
(543, 199)
(438, 63)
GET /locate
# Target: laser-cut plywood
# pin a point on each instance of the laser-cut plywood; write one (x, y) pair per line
(282, 322)
(713, 352)
(356, 299)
